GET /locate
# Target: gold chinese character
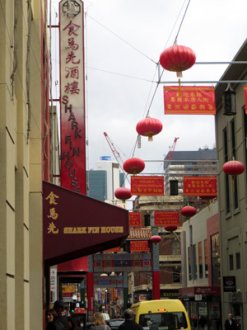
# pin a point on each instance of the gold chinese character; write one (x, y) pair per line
(53, 214)
(52, 229)
(52, 198)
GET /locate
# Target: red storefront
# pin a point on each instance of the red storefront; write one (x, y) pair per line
(75, 225)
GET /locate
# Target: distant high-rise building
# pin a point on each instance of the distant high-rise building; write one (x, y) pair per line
(104, 180)
(198, 162)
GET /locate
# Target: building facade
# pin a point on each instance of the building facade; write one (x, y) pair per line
(231, 135)
(181, 163)
(201, 278)
(104, 180)
(22, 93)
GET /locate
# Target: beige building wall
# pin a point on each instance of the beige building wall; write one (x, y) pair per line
(20, 166)
(233, 221)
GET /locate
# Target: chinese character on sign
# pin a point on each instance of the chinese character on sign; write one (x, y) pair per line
(53, 214)
(52, 198)
(52, 229)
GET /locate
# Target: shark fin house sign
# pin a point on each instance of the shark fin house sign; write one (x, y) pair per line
(72, 87)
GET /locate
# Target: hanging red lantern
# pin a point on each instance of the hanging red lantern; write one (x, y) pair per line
(171, 228)
(155, 239)
(233, 167)
(207, 198)
(188, 211)
(177, 58)
(134, 165)
(149, 127)
(123, 193)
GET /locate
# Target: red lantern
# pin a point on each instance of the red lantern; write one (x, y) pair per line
(123, 193)
(188, 211)
(177, 58)
(171, 228)
(155, 239)
(134, 165)
(149, 127)
(208, 197)
(233, 167)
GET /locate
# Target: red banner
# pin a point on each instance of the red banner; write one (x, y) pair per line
(245, 98)
(72, 86)
(135, 219)
(189, 100)
(200, 186)
(147, 185)
(166, 218)
(139, 246)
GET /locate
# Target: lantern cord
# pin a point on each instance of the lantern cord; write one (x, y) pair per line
(180, 26)
(123, 40)
(149, 107)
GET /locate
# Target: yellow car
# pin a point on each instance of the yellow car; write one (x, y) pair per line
(164, 314)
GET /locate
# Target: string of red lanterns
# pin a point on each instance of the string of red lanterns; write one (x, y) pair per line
(188, 211)
(171, 229)
(123, 193)
(155, 239)
(134, 165)
(177, 58)
(149, 127)
(233, 167)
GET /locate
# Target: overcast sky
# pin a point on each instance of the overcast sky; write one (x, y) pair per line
(123, 41)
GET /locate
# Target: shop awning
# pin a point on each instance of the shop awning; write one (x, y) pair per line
(75, 225)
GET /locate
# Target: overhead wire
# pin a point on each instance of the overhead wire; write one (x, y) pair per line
(122, 39)
(157, 67)
(161, 74)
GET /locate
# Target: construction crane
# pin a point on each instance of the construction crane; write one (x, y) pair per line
(170, 153)
(116, 154)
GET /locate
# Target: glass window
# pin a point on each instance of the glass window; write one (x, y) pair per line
(206, 258)
(163, 321)
(231, 263)
(200, 261)
(238, 261)
(227, 190)
(215, 255)
(245, 135)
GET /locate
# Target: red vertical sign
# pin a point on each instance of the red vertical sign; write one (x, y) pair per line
(72, 86)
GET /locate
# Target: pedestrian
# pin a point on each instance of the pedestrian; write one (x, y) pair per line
(99, 322)
(230, 323)
(61, 321)
(51, 316)
(129, 323)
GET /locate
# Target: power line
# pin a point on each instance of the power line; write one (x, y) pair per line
(122, 39)
(181, 23)
(120, 74)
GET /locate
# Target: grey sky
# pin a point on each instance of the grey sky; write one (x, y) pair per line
(214, 29)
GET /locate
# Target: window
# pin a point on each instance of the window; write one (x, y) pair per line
(245, 136)
(233, 138)
(235, 182)
(192, 262)
(215, 259)
(206, 258)
(231, 263)
(200, 260)
(227, 190)
(238, 260)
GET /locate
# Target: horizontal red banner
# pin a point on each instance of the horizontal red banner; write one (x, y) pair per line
(147, 185)
(139, 246)
(166, 218)
(200, 186)
(189, 100)
(135, 219)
